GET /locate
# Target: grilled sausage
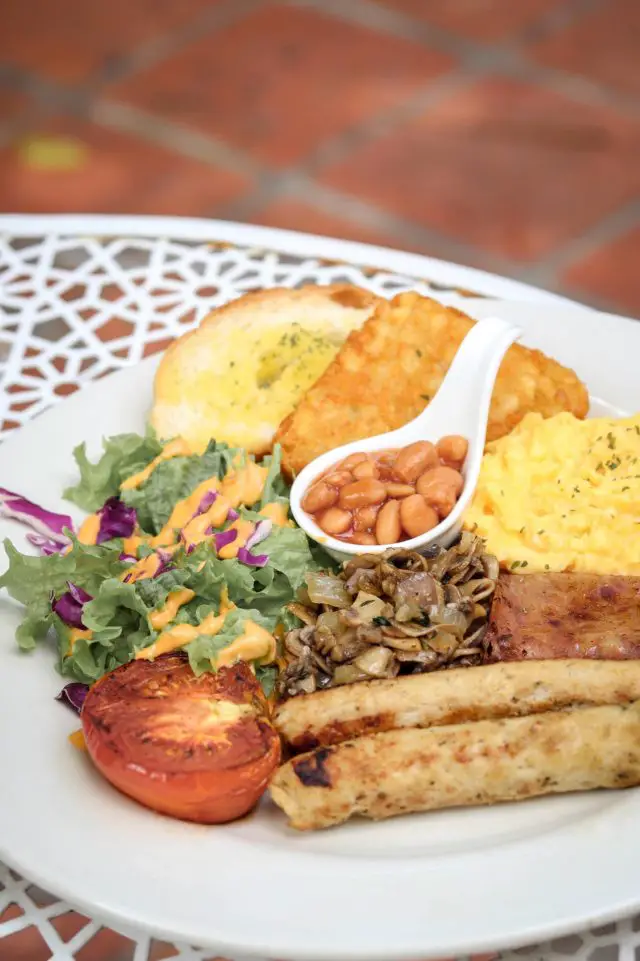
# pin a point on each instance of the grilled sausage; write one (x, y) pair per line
(451, 697)
(397, 772)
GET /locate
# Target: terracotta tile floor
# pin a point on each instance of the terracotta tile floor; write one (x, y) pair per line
(500, 133)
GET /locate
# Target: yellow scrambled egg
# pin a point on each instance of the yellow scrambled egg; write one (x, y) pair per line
(562, 495)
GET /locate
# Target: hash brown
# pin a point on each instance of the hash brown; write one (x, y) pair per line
(392, 366)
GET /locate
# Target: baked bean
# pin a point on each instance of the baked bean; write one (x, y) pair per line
(442, 499)
(362, 493)
(364, 519)
(334, 521)
(319, 497)
(351, 461)
(339, 478)
(452, 450)
(388, 529)
(386, 458)
(416, 516)
(366, 469)
(414, 460)
(438, 476)
(440, 488)
(399, 490)
(363, 537)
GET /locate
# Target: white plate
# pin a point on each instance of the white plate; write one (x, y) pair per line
(426, 885)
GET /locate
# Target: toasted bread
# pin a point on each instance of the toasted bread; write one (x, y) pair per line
(243, 370)
(388, 370)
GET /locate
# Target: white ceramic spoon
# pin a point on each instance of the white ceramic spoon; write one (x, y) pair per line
(461, 406)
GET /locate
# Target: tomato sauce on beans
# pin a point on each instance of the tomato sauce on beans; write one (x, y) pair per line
(388, 496)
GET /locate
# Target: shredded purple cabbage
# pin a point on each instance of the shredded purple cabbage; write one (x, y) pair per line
(252, 560)
(260, 533)
(116, 520)
(127, 558)
(232, 515)
(206, 502)
(224, 537)
(73, 695)
(69, 605)
(46, 545)
(45, 522)
(166, 562)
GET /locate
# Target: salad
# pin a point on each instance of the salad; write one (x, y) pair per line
(181, 551)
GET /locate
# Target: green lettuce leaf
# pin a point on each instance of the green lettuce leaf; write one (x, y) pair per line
(289, 552)
(33, 580)
(118, 617)
(276, 489)
(267, 675)
(172, 481)
(205, 647)
(124, 455)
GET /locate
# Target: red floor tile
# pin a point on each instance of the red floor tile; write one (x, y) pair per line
(603, 45)
(283, 79)
(69, 166)
(11, 912)
(69, 924)
(514, 169)
(295, 215)
(25, 945)
(70, 39)
(107, 945)
(477, 19)
(611, 273)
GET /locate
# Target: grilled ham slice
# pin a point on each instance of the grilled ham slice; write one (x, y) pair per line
(543, 616)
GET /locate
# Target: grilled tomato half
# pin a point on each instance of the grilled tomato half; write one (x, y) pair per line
(197, 748)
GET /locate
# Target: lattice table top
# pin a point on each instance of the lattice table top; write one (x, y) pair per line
(82, 297)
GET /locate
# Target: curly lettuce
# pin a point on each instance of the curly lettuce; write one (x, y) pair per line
(116, 620)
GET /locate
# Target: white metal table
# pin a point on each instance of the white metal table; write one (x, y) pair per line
(80, 297)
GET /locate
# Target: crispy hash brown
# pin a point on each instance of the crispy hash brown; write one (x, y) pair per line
(392, 366)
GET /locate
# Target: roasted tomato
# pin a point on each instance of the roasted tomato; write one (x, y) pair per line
(196, 748)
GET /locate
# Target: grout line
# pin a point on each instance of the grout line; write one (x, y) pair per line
(337, 148)
(167, 45)
(298, 186)
(369, 14)
(508, 59)
(556, 19)
(176, 137)
(593, 238)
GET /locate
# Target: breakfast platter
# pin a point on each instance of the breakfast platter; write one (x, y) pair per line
(279, 661)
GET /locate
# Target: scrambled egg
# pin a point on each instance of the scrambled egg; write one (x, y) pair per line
(562, 495)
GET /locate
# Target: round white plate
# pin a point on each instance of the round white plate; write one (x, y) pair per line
(426, 885)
